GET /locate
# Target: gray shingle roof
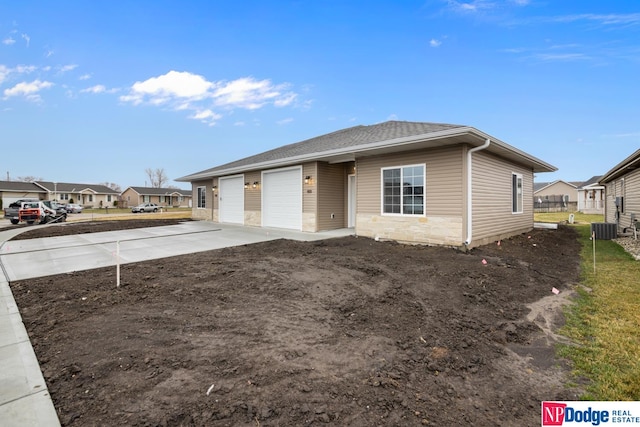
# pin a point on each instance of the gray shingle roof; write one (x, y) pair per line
(19, 186)
(345, 138)
(69, 187)
(346, 144)
(152, 191)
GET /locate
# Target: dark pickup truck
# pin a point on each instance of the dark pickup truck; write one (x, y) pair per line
(50, 211)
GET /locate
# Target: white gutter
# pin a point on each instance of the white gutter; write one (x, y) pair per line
(470, 189)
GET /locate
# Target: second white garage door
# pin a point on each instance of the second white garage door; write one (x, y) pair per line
(282, 198)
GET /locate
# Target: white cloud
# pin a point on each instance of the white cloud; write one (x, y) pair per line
(207, 116)
(9, 41)
(84, 77)
(28, 90)
(435, 43)
(174, 84)
(285, 121)
(94, 89)
(70, 67)
(181, 91)
(26, 38)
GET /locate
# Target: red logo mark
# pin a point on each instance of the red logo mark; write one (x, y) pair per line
(553, 413)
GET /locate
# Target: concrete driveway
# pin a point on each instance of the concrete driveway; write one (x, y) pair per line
(24, 259)
(24, 398)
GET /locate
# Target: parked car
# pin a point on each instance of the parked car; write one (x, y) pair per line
(11, 213)
(73, 208)
(61, 210)
(145, 207)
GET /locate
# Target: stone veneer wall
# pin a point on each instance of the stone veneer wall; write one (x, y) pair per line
(253, 218)
(445, 231)
(309, 222)
(201, 214)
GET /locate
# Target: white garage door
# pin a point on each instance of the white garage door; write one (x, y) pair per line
(282, 198)
(231, 199)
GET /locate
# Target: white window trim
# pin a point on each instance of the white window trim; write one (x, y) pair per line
(424, 194)
(514, 194)
(204, 191)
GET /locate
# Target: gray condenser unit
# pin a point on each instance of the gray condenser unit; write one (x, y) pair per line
(604, 230)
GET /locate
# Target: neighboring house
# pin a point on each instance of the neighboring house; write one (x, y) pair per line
(414, 182)
(174, 197)
(622, 192)
(88, 195)
(10, 191)
(555, 196)
(591, 196)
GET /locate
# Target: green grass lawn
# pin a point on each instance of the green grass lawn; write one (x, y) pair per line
(604, 322)
(578, 217)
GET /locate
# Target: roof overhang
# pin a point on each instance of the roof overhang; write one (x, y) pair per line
(624, 167)
(456, 136)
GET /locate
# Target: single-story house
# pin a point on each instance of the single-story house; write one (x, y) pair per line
(87, 195)
(430, 183)
(559, 194)
(10, 191)
(622, 192)
(591, 196)
(173, 197)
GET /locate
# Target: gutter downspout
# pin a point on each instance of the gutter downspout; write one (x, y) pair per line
(470, 189)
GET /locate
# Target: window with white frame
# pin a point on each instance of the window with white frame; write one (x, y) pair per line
(108, 197)
(516, 193)
(403, 190)
(202, 197)
(146, 199)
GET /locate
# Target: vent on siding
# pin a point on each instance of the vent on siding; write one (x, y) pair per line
(604, 230)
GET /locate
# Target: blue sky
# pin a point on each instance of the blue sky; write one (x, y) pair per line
(95, 92)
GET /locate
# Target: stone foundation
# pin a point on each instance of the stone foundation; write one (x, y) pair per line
(443, 231)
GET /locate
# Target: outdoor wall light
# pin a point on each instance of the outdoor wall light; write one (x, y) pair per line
(255, 183)
(215, 187)
(246, 185)
(307, 179)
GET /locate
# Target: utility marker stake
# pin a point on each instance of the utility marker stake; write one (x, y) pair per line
(593, 237)
(118, 264)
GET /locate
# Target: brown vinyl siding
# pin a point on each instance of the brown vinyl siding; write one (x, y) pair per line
(444, 184)
(630, 190)
(632, 198)
(252, 196)
(331, 196)
(310, 190)
(492, 198)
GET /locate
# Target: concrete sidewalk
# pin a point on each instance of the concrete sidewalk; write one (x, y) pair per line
(24, 399)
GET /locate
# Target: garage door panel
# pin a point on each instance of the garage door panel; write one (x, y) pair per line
(282, 199)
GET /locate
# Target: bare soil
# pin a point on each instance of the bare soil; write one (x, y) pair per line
(346, 331)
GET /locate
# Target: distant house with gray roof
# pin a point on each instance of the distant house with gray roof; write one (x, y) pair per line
(591, 196)
(88, 195)
(418, 182)
(165, 197)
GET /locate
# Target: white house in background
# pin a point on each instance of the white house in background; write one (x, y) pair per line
(591, 196)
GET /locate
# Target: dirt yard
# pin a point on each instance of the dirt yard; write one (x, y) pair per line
(347, 331)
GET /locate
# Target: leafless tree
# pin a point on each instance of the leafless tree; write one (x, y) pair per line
(29, 178)
(113, 186)
(158, 177)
